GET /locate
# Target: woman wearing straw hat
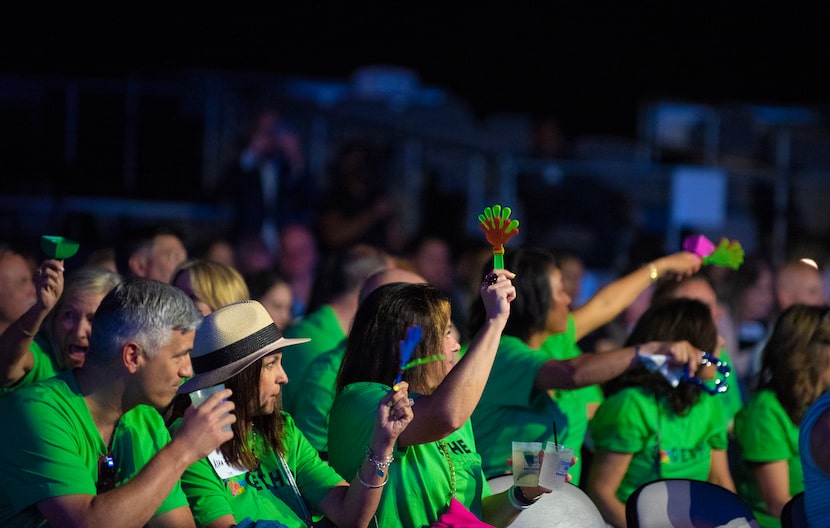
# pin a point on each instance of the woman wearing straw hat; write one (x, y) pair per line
(269, 471)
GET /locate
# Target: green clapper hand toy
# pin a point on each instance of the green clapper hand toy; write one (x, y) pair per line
(498, 228)
(727, 254)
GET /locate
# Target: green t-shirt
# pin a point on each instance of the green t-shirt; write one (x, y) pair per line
(52, 448)
(511, 409)
(264, 494)
(324, 330)
(765, 433)
(574, 403)
(632, 421)
(44, 366)
(311, 412)
(420, 486)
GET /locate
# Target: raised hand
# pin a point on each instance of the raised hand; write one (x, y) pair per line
(48, 280)
(394, 412)
(681, 264)
(679, 353)
(202, 426)
(497, 292)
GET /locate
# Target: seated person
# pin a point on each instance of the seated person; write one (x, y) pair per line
(436, 468)
(648, 428)
(89, 447)
(268, 471)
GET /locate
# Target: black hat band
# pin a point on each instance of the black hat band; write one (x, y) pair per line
(237, 350)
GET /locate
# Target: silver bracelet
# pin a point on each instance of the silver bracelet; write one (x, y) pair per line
(379, 463)
(372, 486)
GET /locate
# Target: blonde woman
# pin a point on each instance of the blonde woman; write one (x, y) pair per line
(210, 284)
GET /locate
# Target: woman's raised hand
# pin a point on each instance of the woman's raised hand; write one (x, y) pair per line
(497, 291)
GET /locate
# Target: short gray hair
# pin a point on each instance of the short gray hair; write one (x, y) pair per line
(142, 310)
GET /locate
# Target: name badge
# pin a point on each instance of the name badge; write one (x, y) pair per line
(222, 467)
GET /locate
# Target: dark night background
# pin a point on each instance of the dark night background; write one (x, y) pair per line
(589, 63)
(592, 65)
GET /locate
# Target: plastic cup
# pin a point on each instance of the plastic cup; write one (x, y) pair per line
(526, 463)
(555, 465)
(199, 396)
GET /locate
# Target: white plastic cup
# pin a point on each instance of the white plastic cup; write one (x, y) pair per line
(526, 463)
(199, 396)
(555, 465)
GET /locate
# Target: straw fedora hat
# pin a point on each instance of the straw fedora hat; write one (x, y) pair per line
(231, 339)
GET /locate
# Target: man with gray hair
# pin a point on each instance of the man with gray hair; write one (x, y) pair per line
(89, 447)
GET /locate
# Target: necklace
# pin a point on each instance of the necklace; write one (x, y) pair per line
(442, 445)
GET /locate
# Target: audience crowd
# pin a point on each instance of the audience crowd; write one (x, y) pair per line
(364, 377)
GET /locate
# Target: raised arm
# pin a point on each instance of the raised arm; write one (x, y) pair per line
(356, 504)
(592, 369)
(15, 359)
(608, 302)
(452, 403)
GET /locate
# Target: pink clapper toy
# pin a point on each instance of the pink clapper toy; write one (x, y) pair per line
(498, 228)
(727, 254)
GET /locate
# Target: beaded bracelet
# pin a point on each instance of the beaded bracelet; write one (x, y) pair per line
(379, 463)
(372, 486)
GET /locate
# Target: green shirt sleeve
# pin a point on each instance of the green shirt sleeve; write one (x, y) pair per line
(765, 431)
(316, 395)
(43, 366)
(141, 434)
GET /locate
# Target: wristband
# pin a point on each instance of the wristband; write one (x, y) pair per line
(518, 500)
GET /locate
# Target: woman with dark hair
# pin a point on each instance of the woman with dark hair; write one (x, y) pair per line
(274, 292)
(649, 427)
(269, 471)
(795, 371)
(699, 287)
(538, 356)
(436, 470)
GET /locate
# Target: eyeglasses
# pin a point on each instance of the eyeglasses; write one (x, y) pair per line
(106, 473)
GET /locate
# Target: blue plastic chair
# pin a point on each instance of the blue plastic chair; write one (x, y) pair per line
(686, 503)
(793, 514)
